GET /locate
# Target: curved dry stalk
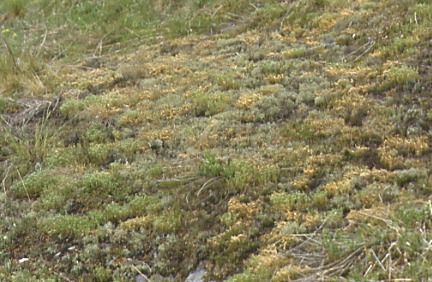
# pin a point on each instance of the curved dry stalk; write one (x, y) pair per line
(208, 183)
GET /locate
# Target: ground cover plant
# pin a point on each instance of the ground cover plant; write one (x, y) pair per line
(221, 140)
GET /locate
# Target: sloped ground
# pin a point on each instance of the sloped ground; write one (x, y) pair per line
(292, 143)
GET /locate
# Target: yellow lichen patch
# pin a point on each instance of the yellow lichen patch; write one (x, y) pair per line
(102, 112)
(169, 112)
(341, 187)
(250, 37)
(378, 215)
(394, 150)
(185, 109)
(233, 234)
(205, 44)
(346, 184)
(378, 54)
(302, 183)
(406, 146)
(350, 99)
(338, 71)
(215, 58)
(306, 179)
(238, 238)
(287, 273)
(245, 101)
(362, 88)
(275, 78)
(391, 159)
(359, 151)
(380, 175)
(136, 223)
(372, 195)
(95, 78)
(166, 134)
(164, 69)
(268, 257)
(276, 240)
(130, 118)
(244, 210)
(311, 220)
(289, 232)
(327, 127)
(327, 21)
(323, 159)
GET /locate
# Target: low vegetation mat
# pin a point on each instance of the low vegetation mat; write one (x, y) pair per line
(213, 140)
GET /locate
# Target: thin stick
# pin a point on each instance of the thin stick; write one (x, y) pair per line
(64, 277)
(208, 183)
(187, 200)
(386, 221)
(4, 181)
(253, 6)
(356, 50)
(378, 260)
(217, 10)
(142, 274)
(5, 121)
(100, 44)
(367, 50)
(368, 269)
(286, 16)
(43, 43)
(12, 55)
(25, 188)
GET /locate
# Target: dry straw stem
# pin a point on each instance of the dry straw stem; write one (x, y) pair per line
(140, 273)
(315, 267)
(23, 184)
(206, 184)
(5, 177)
(368, 45)
(11, 54)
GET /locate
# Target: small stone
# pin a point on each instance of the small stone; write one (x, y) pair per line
(196, 276)
(23, 260)
(38, 166)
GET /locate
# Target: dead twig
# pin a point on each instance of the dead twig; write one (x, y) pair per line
(208, 183)
(64, 277)
(367, 50)
(388, 222)
(5, 121)
(413, 65)
(142, 274)
(43, 43)
(338, 265)
(378, 260)
(216, 10)
(4, 180)
(368, 45)
(23, 184)
(286, 16)
(11, 54)
(99, 46)
(182, 180)
(187, 200)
